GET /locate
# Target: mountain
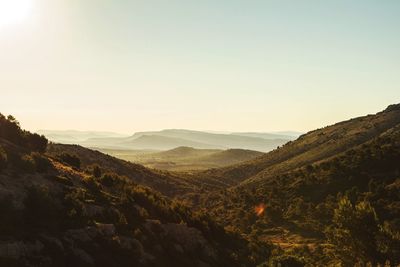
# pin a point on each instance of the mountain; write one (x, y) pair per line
(185, 158)
(144, 142)
(329, 198)
(67, 207)
(75, 137)
(277, 135)
(169, 139)
(221, 140)
(164, 142)
(333, 192)
(312, 147)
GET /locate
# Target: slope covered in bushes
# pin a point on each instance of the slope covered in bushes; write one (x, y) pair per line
(59, 210)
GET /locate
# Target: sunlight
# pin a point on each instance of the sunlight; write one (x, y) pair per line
(259, 209)
(14, 11)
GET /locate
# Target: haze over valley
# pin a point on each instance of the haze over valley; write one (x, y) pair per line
(177, 150)
(199, 133)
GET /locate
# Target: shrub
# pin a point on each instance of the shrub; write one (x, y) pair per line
(42, 163)
(96, 171)
(76, 214)
(10, 130)
(71, 160)
(286, 260)
(353, 232)
(37, 142)
(25, 163)
(109, 179)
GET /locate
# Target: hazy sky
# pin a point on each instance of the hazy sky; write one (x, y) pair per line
(209, 65)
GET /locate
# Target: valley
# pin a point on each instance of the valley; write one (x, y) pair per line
(184, 158)
(329, 197)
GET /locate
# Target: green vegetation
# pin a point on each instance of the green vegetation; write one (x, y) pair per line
(71, 160)
(330, 198)
(340, 209)
(56, 212)
(10, 130)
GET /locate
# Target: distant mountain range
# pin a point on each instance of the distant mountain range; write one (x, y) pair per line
(185, 158)
(74, 136)
(173, 138)
(329, 198)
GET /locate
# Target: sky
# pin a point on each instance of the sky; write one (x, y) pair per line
(221, 65)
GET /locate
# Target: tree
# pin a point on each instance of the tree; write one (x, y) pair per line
(354, 232)
(96, 171)
(37, 142)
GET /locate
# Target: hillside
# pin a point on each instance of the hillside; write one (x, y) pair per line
(58, 211)
(312, 147)
(185, 158)
(230, 157)
(165, 183)
(330, 197)
(277, 135)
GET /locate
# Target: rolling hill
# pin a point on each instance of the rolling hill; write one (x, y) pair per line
(312, 147)
(58, 209)
(329, 198)
(333, 192)
(185, 158)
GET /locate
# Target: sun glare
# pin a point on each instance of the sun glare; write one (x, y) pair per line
(14, 11)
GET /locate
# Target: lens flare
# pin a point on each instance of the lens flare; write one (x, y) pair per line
(259, 209)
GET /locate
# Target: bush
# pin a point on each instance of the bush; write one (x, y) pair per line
(10, 130)
(94, 169)
(37, 142)
(286, 261)
(42, 163)
(26, 164)
(109, 179)
(71, 160)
